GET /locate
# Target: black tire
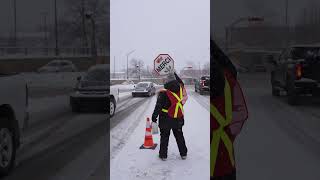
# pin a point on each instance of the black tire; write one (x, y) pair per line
(112, 107)
(201, 92)
(133, 95)
(10, 146)
(74, 106)
(275, 90)
(292, 96)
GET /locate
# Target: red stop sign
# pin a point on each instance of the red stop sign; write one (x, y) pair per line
(163, 64)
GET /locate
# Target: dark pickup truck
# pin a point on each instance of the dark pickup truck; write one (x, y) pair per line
(202, 85)
(297, 71)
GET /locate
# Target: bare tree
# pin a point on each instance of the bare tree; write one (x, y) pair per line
(76, 28)
(206, 69)
(136, 65)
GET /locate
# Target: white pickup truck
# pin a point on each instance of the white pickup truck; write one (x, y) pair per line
(113, 98)
(13, 118)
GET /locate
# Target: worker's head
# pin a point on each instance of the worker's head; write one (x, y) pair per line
(170, 77)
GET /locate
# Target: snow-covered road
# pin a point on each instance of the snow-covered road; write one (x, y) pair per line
(61, 144)
(129, 162)
(278, 141)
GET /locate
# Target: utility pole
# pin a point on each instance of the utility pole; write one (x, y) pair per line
(56, 28)
(45, 30)
(286, 15)
(85, 40)
(15, 23)
(114, 67)
(128, 62)
(200, 73)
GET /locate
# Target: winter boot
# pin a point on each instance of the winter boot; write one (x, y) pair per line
(183, 157)
(163, 158)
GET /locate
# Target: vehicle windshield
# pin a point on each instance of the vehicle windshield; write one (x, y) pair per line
(205, 78)
(305, 52)
(53, 64)
(142, 85)
(97, 75)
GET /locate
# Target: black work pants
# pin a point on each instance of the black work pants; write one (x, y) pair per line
(164, 141)
(231, 176)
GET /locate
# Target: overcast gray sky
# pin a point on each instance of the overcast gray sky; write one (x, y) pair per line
(180, 28)
(28, 14)
(224, 12)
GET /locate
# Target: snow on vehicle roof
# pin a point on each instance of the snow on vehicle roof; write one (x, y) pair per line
(60, 60)
(142, 82)
(100, 66)
(305, 45)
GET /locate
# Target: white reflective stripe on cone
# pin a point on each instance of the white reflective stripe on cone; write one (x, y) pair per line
(148, 133)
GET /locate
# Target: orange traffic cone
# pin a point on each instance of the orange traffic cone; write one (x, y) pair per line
(148, 140)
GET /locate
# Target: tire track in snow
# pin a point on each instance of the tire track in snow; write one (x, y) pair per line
(136, 110)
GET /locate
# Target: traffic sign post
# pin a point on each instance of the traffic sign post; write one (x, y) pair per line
(163, 64)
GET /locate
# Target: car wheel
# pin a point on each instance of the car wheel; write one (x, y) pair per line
(292, 96)
(7, 149)
(275, 90)
(74, 107)
(149, 94)
(112, 107)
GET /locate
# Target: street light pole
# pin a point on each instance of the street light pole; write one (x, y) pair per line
(287, 22)
(128, 62)
(45, 29)
(56, 28)
(89, 15)
(286, 11)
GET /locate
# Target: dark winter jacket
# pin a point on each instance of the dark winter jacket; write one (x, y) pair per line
(163, 101)
(178, 79)
(219, 62)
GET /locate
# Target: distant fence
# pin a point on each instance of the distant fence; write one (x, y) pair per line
(46, 51)
(31, 64)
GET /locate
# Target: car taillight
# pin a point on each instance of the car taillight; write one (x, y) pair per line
(202, 83)
(298, 71)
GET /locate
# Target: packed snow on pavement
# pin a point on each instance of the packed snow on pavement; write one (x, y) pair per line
(130, 162)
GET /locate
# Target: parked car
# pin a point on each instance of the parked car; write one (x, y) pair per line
(259, 68)
(13, 118)
(297, 72)
(93, 90)
(58, 66)
(144, 89)
(202, 85)
(128, 82)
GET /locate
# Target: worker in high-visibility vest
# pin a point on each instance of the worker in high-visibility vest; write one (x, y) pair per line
(228, 113)
(169, 108)
(184, 91)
